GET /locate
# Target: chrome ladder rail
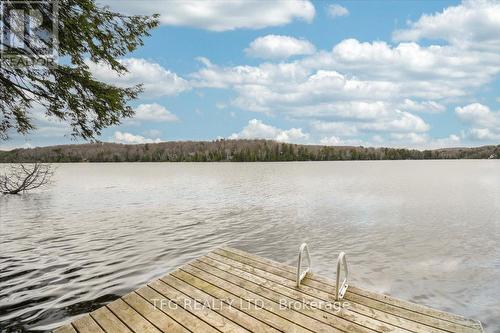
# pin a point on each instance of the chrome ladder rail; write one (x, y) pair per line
(301, 276)
(340, 289)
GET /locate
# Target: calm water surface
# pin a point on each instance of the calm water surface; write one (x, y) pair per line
(425, 231)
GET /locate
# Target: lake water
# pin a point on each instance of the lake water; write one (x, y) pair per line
(425, 231)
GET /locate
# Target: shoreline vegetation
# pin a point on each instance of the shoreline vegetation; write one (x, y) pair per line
(231, 151)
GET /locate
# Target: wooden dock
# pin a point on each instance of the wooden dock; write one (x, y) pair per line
(229, 290)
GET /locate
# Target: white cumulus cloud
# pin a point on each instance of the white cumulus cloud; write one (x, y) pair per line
(483, 134)
(392, 122)
(409, 76)
(220, 15)
(337, 128)
(278, 47)
(413, 138)
(472, 24)
(431, 72)
(422, 106)
(335, 10)
(128, 138)
(256, 129)
(154, 112)
(421, 141)
(337, 141)
(485, 124)
(479, 114)
(156, 80)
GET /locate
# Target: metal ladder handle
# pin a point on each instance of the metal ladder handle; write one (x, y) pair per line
(301, 276)
(340, 289)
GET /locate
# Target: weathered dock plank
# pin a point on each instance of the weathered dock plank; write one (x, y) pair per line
(231, 313)
(108, 321)
(86, 324)
(232, 291)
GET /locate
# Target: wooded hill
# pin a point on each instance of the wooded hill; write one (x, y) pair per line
(231, 150)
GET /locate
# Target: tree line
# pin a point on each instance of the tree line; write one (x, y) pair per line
(231, 150)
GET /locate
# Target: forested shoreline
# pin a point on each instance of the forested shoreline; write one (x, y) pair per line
(231, 150)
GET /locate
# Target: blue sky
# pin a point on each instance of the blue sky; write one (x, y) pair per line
(421, 74)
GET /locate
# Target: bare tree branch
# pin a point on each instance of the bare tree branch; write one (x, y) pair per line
(25, 177)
